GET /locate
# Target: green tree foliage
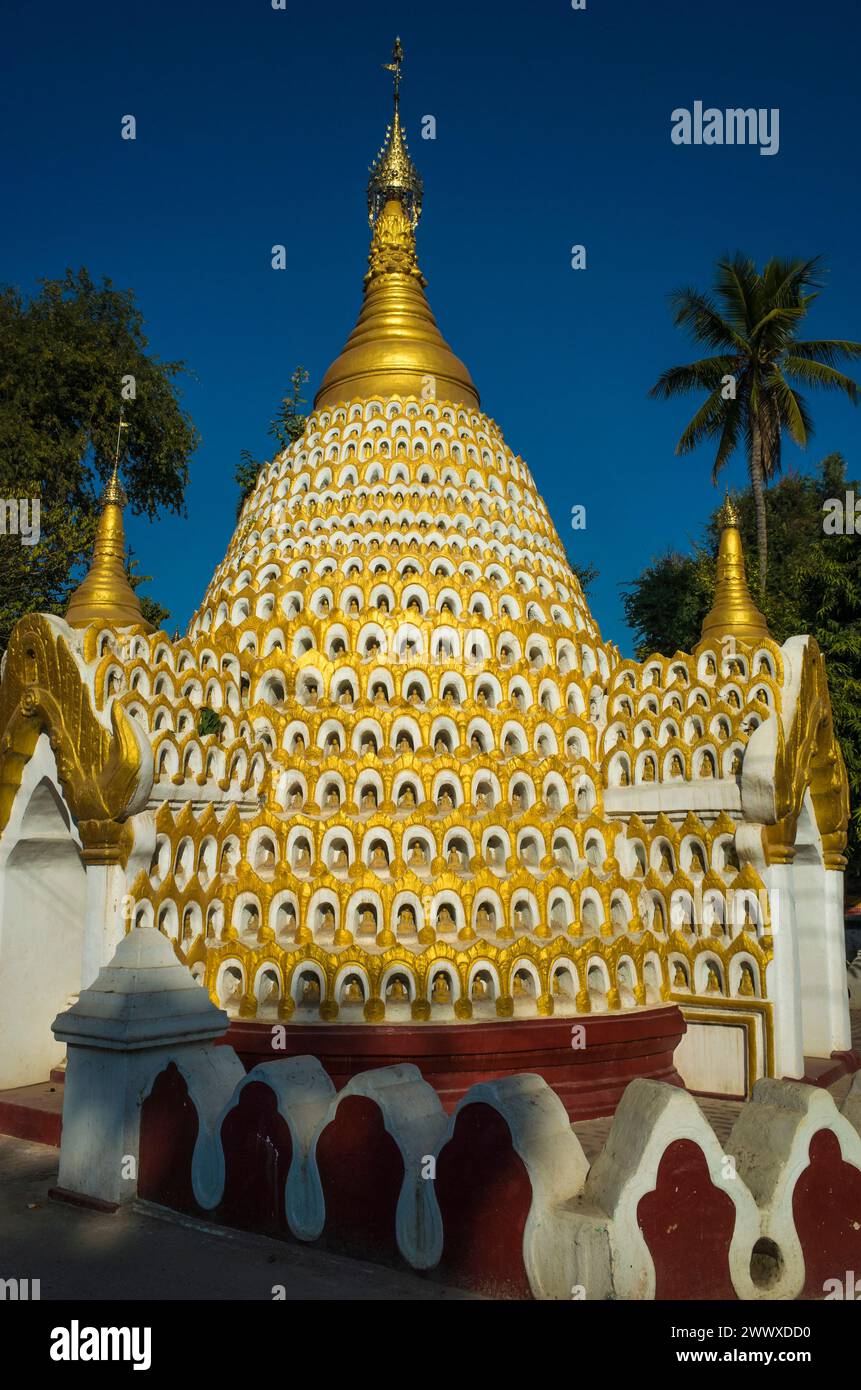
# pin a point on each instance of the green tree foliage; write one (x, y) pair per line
(153, 612)
(287, 426)
(814, 587)
(751, 322)
(64, 354)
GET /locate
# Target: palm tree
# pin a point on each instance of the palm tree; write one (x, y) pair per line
(751, 322)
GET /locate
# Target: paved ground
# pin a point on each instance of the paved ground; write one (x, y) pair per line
(136, 1255)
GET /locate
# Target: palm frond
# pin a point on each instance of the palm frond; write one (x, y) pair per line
(827, 350)
(794, 414)
(699, 315)
(821, 375)
(707, 422)
(706, 373)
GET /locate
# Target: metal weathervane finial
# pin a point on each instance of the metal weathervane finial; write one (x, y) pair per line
(395, 67)
(114, 492)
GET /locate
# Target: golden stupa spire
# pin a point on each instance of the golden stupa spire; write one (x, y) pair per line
(105, 595)
(733, 613)
(396, 347)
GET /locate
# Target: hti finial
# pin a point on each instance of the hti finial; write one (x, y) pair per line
(395, 67)
(114, 492)
(393, 174)
(728, 512)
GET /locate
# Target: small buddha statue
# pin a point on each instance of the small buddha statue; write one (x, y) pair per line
(379, 694)
(407, 798)
(302, 856)
(444, 802)
(369, 747)
(680, 979)
(353, 992)
(397, 992)
(697, 861)
(264, 860)
(353, 606)
(479, 988)
(666, 860)
(379, 859)
(311, 991)
(485, 918)
(339, 859)
(454, 858)
(707, 768)
(369, 799)
(517, 801)
(649, 770)
(295, 801)
(406, 919)
(403, 745)
(441, 991)
(713, 985)
(333, 799)
(676, 768)
(745, 984)
(445, 921)
(417, 856)
(368, 922)
(333, 747)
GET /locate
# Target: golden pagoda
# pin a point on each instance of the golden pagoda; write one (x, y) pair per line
(393, 774)
(733, 613)
(105, 594)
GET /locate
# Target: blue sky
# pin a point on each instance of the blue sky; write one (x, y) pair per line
(256, 127)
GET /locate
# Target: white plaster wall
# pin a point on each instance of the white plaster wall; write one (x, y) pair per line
(42, 905)
(821, 948)
(712, 1057)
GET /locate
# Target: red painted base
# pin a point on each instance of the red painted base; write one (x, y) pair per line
(33, 1112)
(824, 1071)
(589, 1078)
